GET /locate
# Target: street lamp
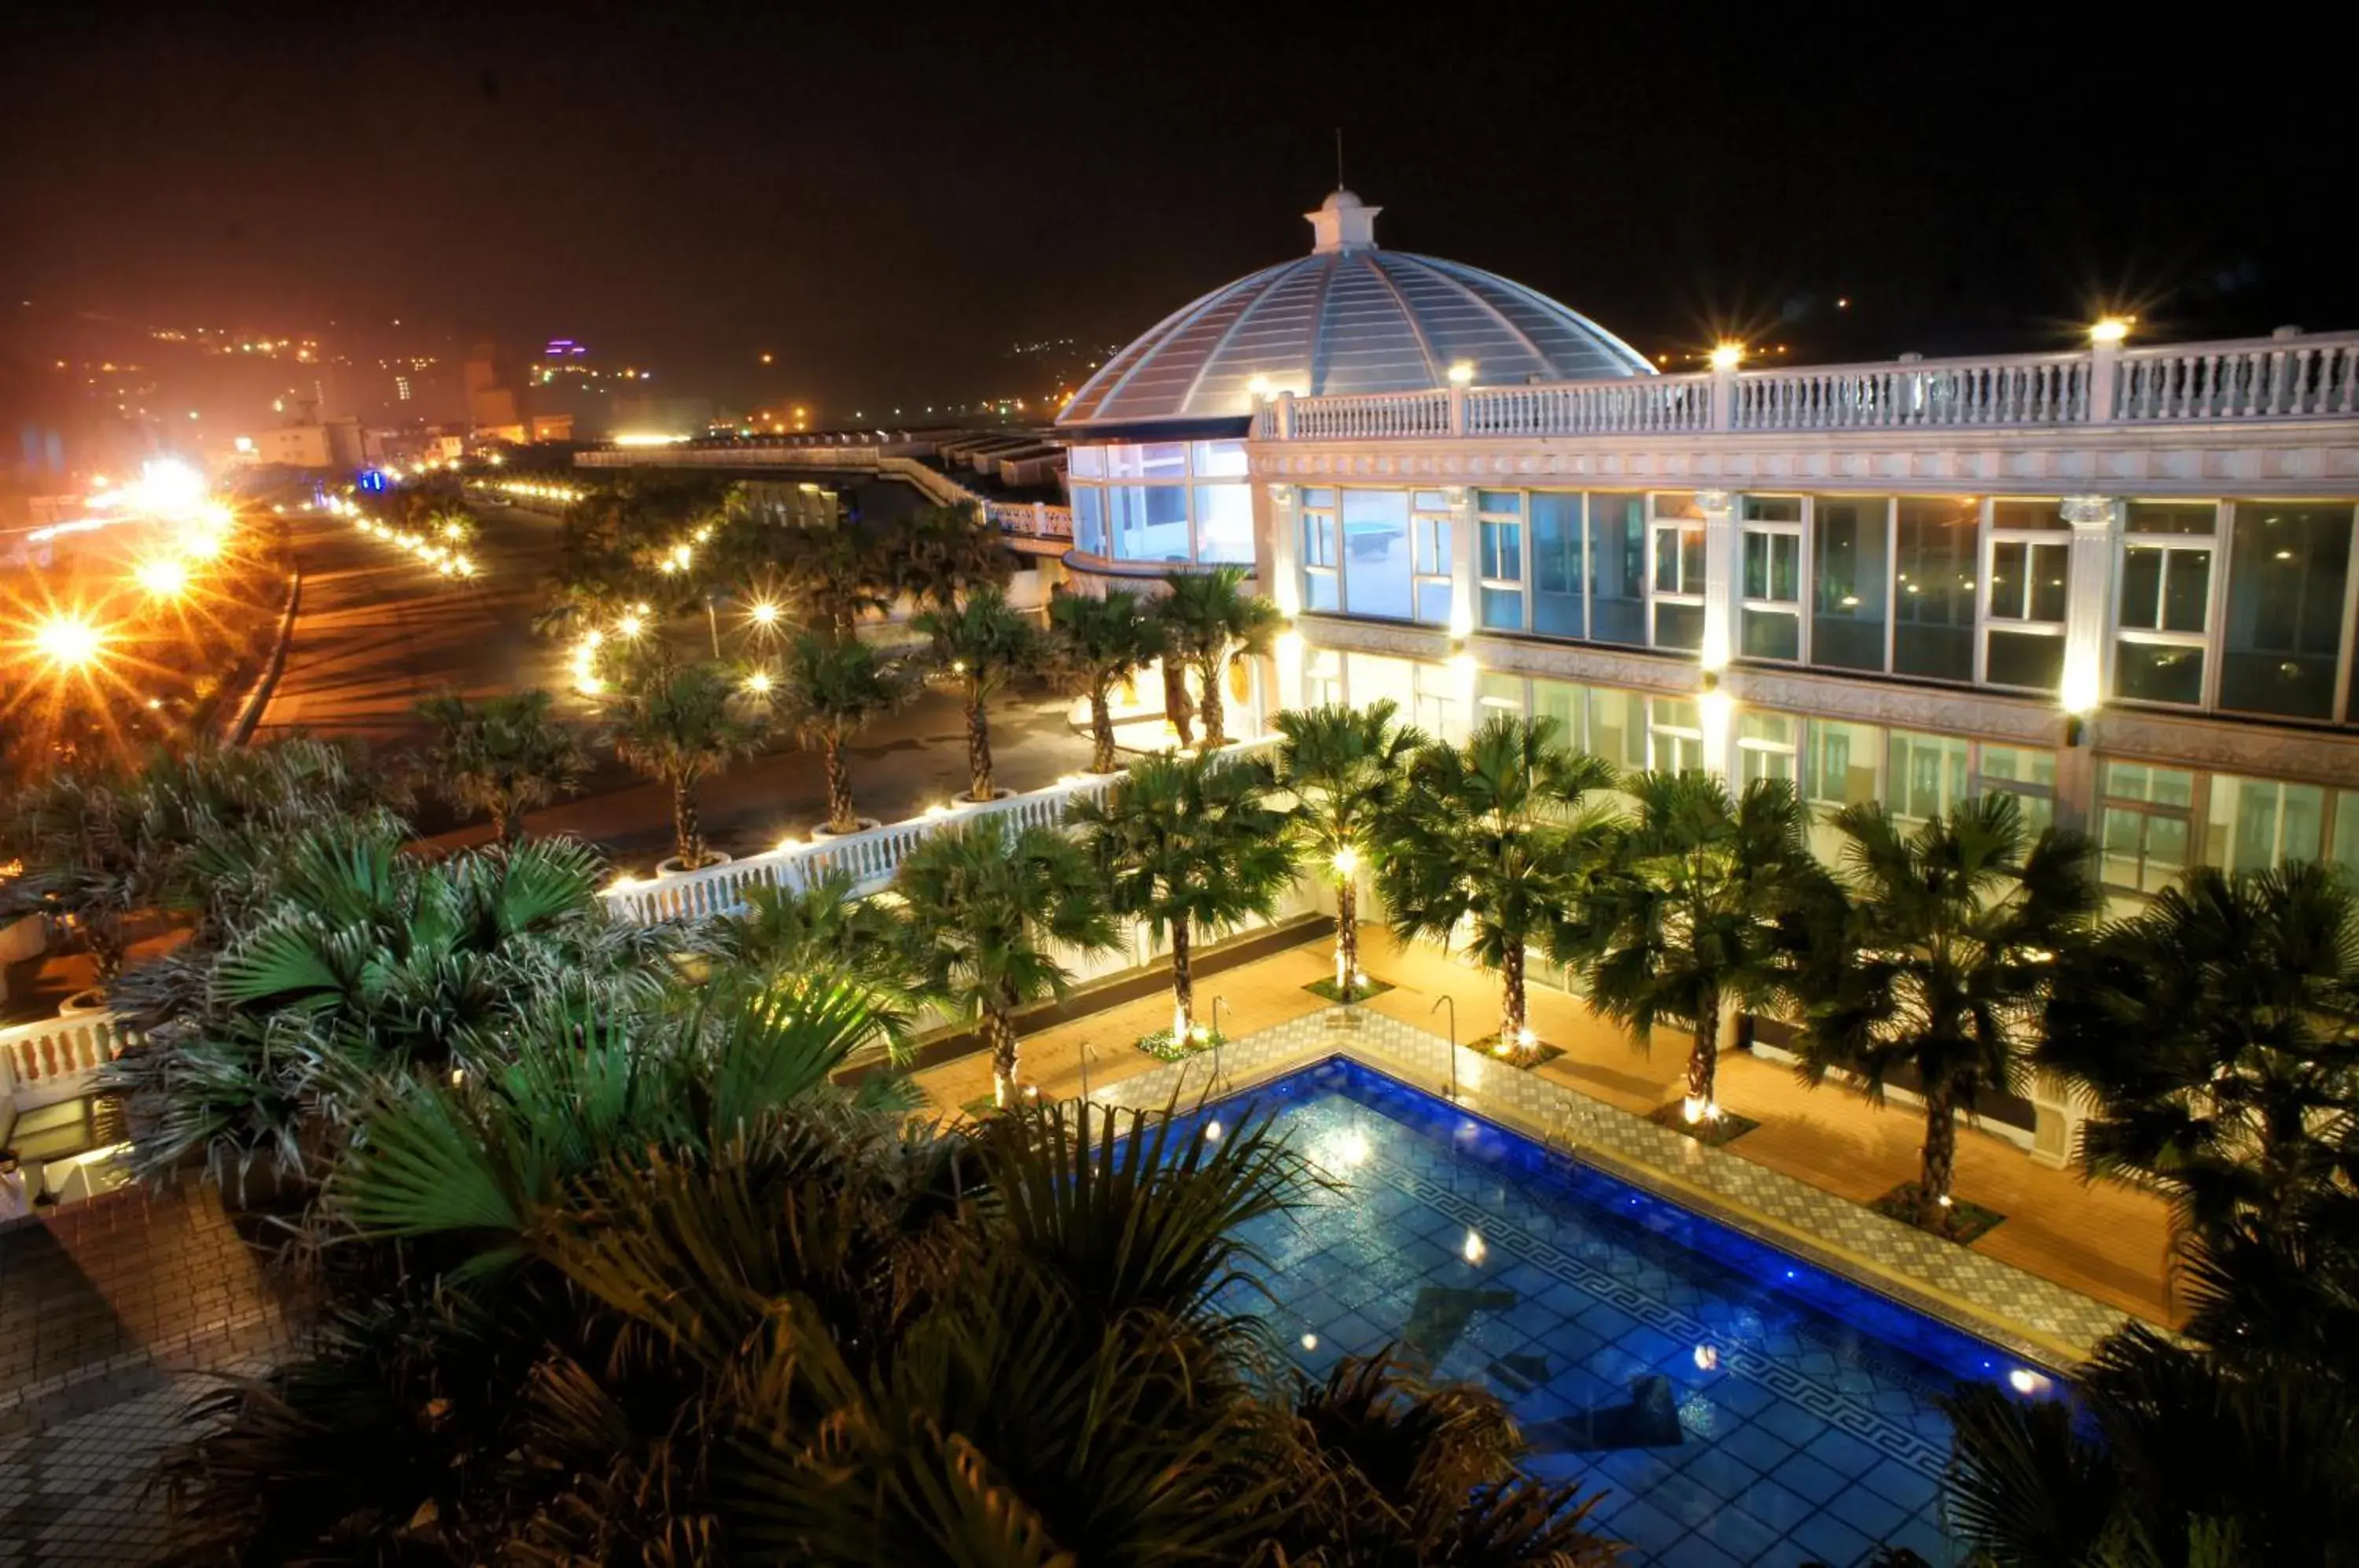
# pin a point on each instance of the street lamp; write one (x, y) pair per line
(67, 641)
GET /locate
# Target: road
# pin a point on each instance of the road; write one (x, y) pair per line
(377, 631)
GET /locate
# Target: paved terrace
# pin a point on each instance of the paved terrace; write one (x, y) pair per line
(2071, 1258)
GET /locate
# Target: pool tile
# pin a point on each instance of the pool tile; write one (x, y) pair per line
(1813, 1480)
(1830, 1541)
(1871, 1515)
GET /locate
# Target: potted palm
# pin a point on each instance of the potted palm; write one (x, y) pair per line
(503, 756)
(1212, 619)
(1101, 644)
(1934, 962)
(1693, 913)
(987, 913)
(1347, 769)
(981, 646)
(1190, 846)
(833, 690)
(1498, 838)
(678, 724)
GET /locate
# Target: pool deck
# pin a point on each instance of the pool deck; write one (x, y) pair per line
(2072, 1259)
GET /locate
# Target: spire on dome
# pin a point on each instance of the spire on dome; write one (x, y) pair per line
(1342, 222)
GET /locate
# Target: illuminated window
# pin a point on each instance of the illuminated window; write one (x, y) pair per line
(1676, 538)
(2281, 643)
(1770, 623)
(2027, 594)
(2145, 831)
(1499, 562)
(2166, 601)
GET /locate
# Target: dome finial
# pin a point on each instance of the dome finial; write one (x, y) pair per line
(1342, 222)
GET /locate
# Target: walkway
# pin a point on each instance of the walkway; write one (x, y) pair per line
(113, 1314)
(2105, 1241)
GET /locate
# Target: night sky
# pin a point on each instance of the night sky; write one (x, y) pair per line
(886, 196)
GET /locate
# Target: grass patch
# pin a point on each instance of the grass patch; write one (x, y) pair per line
(1962, 1222)
(1726, 1127)
(1160, 1045)
(1522, 1058)
(1368, 989)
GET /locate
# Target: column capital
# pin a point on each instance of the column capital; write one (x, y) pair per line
(1714, 503)
(1282, 494)
(2088, 511)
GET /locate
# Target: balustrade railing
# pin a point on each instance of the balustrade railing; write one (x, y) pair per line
(1036, 518)
(53, 1059)
(2281, 378)
(2296, 376)
(1649, 404)
(870, 858)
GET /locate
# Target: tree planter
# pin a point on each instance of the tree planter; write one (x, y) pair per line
(961, 802)
(92, 1000)
(673, 866)
(862, 824)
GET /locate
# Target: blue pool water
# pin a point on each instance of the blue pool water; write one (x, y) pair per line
(1738, 1405)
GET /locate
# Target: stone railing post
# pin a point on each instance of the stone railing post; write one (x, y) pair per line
(1457, 408)
(2105, 383)
(1284, 409)
(1723, 397)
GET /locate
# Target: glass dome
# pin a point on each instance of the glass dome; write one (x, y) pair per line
(1348, 318)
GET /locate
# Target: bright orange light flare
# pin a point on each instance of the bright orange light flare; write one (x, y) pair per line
(163, 577)
(67, 641)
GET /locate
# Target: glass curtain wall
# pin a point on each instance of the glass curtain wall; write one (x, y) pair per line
(2165, 606)
(1172, 503)
(2288, 566)
(1933, 588)
(1850, 559)
(1558, 564)
(2030, 581)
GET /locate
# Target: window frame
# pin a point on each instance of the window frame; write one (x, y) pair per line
(1430, 525)
(1693, 595)
(1520, 584)
(2214, 604)
(1796, 608)
(1987, 619)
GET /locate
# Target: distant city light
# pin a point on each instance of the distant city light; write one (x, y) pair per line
(647, 438)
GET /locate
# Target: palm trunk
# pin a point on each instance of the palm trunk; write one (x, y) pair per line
(1176, 705)
(1101, 732)
(1704, 1061)
(1183, 985)
(978, 747)
(686, 830)
(1347, 936)
(101, 932)
(512, 824)
(1511, 998)
(1216, 718)
(1940, 1164)
(840, 818)
(999, 1030)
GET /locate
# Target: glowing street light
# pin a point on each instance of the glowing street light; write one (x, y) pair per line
(163, 577)
(630, 626)
(2111, 331)
(759, 683)
(67, 641)
(764, 613)
(1727, 355)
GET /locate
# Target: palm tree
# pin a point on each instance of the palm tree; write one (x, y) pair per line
(1212, 619)
(1347, 769)
(834, 691)
(1191, 845)
(835, 575)
(1101, 644)
(676, 724)
(1499, 836)
(983, 644)
(1696, 909)
(2219, 1034)
(1935, 958)
(81, 837)
(826, 934)
(988, 911)
(941, 555)
(504, 755)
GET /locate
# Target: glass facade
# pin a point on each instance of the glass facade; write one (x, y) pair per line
(2281, 644)
(1152, 503)
(1376, 568)
(1558, 565)
(1933, 588)
(1617, 585)
(1850, 557)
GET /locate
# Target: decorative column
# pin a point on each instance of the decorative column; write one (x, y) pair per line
(1464, 566)
(1278, 560)
(1720, 586)
(2088, 615)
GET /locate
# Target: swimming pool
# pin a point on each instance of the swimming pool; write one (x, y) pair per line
(1740, 1406)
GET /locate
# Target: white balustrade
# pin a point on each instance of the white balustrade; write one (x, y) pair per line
(2293, 377)
(2030, 390)
(1648, 405)
(869, 858)
(1376, 416)
(2277, 378)
(53, 1059)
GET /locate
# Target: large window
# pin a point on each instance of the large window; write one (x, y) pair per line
(1933, 588)
(1617, 555)
(1676, 532)
(1428, 529)
(1499, 559)
(2027, 773)
(2254, 824)
(1768, 747)
(2144, 824)
(1558, 568)
(1927, 773)
(1849, 571)
(1323, 552)
(2028, 595)
(1377, 572)
(2288, 568)
(2166, 601)
(1168, 502)
(1770, 619)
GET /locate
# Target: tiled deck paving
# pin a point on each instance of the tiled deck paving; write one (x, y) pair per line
(2101, 1240)
(111, 1314)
